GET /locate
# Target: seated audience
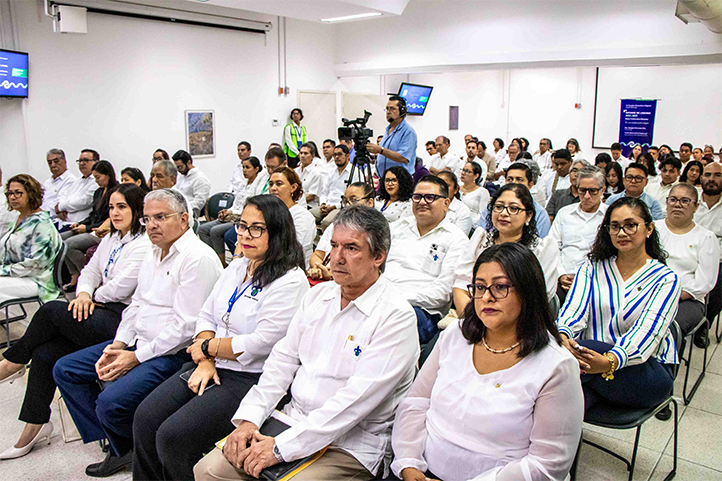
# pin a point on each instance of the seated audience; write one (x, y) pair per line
(450, 426)
(347, 361)
(310, 175)
(458, 213)
(176, 277)
(430, 147)
(635, 153)
(499, 152)
(132, 175)
(697, 154)
(575, 226)
(471, 151)
(647, 160)
(443, 159)
(653, 150)
(425, 249)
(104, 290)
(395, 190)
(543, 156)
(231, 343)
(692, 174)
(708, 149)
(511, 217)
(77, 201)
(57, 186)
(286, 185)
(473, 195)
(665, 150)
(420, 171)
(617, 156)
(685, 153)
(521, 173)
(28, 250)
(81, 235)
(326, 164)
(192, 182)
(616, 318)
(488, 159)
(602, 160)
(238, 181)
(614, 176)
(574, 150)
(635, 180)
(160, 154)
(668, 174)
(334, 185)
(358, 193)
(164, 175)
(7, 215)
(561, 164)
(564, 197)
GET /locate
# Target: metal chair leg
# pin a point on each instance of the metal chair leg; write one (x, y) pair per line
(688, 397)
(673, 473)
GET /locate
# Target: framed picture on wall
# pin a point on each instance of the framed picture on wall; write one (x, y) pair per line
(201, 133)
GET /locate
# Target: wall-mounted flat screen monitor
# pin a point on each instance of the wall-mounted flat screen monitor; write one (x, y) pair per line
(13, 74)
(416, 96)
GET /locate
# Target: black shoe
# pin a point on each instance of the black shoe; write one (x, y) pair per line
(664, 414)
(110, 465)
(701, 341)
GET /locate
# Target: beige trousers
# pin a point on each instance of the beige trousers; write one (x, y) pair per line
(334, 465)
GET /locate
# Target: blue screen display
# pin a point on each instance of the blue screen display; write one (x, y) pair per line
(416, 96)
(13, 74)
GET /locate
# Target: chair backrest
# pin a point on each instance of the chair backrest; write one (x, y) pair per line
(677, 335)
(58, 267)
(213, 204)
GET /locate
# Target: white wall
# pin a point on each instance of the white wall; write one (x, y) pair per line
(122, 89)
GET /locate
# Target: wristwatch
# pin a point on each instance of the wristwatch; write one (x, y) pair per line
(204, 348)
(277, 453)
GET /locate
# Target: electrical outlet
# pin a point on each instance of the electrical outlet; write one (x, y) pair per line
(275, 123)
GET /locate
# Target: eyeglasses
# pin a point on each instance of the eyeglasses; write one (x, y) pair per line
(683, 201)
(391, 181)
(391, 109)
(255, 231)
(83, 161)
(467, 171)
(158, 218)
(635, 179)
(14, 193)
(574, 171)
(428, 198)
(497, 291)
(630, 228)
(510, 209)
(347, 202)
(584, 191)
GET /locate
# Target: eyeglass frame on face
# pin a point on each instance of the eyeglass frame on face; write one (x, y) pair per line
(157, 218)
(586, 190)
(428, 198)
(684, 201)
(346, 202)
(243, 228)
(391, 181)
(84, 161)
(472, 288)
(14, 193)
(615, 229)
(635, 179)
(499, 208)
(465, 171)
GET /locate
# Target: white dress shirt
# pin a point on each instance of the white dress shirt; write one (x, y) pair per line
(249, 190)
(324, 244)
(259, 318)
(347, 369)
(450, 161)
(460, 215)
(311, 181)
(623, 162)
(111, 275)
(162, 315)
(547, 182)
(77, 200)
(423, 267)
(195, 186)
(334, 185)
(502, 162)
(544, 161)
(395, 210)
(325, 166)
(660, 192)
(545, 250)
(476, 201)
(520, 423)
(710, 218)
(689, 257)
(305, 225)
(238, 181)
(574, 232)
(54, 189)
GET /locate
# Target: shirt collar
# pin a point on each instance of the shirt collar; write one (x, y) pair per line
(411, 224)
(366, 301)
(181, 244)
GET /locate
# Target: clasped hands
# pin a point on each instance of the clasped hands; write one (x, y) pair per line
(590, 362)
(115, 361)
(247, 449)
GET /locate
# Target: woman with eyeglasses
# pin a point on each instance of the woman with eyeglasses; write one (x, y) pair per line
(512, 217)
(459, 213)
(395, 189)
(473, 195)
(248, 311)
(499, 397)
(616, 317)
(104, 290)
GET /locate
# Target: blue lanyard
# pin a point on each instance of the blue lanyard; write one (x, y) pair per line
(236, 295)
(116, 251)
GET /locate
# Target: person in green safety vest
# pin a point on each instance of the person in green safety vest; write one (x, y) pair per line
(294, 134)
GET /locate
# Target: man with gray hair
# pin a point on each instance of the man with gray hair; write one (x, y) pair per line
(175, 278)
(59, 183)
(348, 359)
(164, 175)
(564, 197)
(575, 226)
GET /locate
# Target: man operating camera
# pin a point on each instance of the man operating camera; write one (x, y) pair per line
(399, 143)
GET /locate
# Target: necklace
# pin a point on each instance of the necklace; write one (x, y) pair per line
(498, 351)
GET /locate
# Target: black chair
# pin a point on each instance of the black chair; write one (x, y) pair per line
(718, 331)
(213, 205)
(21, 301)
(689, 344)
(615, 417)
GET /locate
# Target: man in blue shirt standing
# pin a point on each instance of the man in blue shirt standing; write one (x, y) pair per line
(635, 180)
(398, 146)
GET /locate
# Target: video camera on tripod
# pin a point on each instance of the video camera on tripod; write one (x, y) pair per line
(356, 130)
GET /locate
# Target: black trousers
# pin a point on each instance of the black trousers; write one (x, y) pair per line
(689, 314)
(174, 428)
(52, 334)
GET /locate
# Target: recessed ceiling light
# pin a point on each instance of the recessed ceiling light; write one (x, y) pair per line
(352, 17)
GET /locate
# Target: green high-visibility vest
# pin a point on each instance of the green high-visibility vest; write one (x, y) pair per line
(294, 138)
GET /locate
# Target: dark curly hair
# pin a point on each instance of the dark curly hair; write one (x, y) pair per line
(603, 249)
(529, 234)
(406, 184)
(33, 189)
(536, 321)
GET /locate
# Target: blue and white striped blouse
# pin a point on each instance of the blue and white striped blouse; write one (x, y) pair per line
(634, 315)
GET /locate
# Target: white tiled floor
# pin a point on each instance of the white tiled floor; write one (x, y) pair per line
(700, 439)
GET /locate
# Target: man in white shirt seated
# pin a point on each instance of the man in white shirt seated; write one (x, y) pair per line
(238, 181)
(192, 182)
(59, 183)
(76, 202)
(543, 157)
(443, 159)
(310, 175)
(669, 170)
(685, 153)
(348, 360)
(424, 251)
(175, 278)
(326, 164)
(558, 179)
(616, 151)
(334, 185)
(164, 175)
(575, 226)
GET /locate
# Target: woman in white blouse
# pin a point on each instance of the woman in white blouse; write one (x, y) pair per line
(104, 289)
(499, 397)
(473, 195)
(248, 311)
(458, 212)
(395, 190)
(513, 220)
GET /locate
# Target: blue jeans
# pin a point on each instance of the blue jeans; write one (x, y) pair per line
(230, 238)
(109, 414)
(427, 324)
